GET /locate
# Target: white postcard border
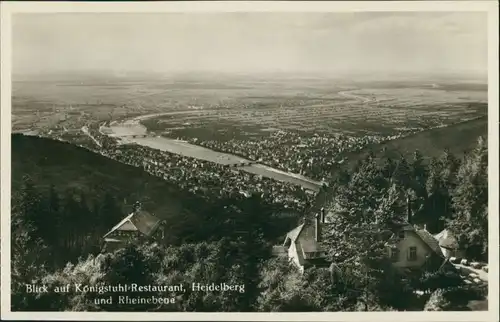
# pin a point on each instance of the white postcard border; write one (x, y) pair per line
(9, 8)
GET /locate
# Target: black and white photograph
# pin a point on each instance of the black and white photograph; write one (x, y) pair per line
(249, 161)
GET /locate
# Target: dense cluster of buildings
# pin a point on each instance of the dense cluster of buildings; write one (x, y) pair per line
(408, 246)
(212, 180)
(206, 179)
(312, 156)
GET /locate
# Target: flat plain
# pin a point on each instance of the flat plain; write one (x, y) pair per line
(222, 108)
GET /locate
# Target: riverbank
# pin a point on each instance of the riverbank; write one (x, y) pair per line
(133, 132)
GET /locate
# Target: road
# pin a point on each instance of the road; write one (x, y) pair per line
(363, 99)
(467, 269)
(86, 131)
(127, 129)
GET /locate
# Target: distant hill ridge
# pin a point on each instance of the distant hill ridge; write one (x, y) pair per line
(457, 138)
(67, 166)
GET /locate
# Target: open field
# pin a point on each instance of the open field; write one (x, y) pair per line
(347, 109)
(128, 130)
(457, 138)
(302, 125)
(62, 99)
(223, 106)
(353, 119)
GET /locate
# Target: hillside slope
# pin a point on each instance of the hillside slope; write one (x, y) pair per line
(457, 138)
(67, 166)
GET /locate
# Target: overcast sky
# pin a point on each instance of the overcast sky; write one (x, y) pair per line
(251, 42)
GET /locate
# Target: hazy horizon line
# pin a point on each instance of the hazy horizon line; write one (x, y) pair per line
(338, 73)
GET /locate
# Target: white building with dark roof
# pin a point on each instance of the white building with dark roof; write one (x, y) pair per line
(139, 225)
(413, 248)
(303, 244)
(410, 248)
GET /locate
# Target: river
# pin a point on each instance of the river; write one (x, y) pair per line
(126, 130)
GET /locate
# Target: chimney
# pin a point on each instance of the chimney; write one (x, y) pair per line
(425, 227)
(137, 206)
(323, 215)
(317, 228)
(408, 208)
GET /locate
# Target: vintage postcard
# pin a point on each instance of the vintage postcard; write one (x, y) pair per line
(242, 161)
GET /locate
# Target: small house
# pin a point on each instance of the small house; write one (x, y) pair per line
(138, 226)
(413, 248)
(303, 244)
(449, 244)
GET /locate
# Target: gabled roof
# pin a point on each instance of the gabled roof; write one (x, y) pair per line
(308, 244)
(294, 233)
(446, 239)
(430, 241)
(395, 228)
(141, 221)
(423, 234)
(278, 251)
(402, 225)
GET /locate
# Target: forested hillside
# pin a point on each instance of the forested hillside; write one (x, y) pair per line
(448, 191)
(229, 241)
(457, 139)
(70, 168)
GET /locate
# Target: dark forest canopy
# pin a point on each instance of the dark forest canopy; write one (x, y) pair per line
(229, 240)
(68, 167)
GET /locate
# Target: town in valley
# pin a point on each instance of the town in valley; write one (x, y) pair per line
(292, 169)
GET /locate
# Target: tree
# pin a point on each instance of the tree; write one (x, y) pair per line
(453, 299)
(419, 176)
(402, 174)
(392, 207)
(284, 289)
(449, 165)
(388, 167)
(437, 302)
(439, 189)
(363, 192)
(363, 222)
(30, 207)
(470, 203)
(53, 208)
(441, 279)
(109, 212)
(71, 211)
(27, 264)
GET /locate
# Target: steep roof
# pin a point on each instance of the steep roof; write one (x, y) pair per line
(446, 239)
(423, 234)
(145, 222)
(141, 221)
(395, 228)
(308, 240)
(430, 241)
(294, 233)
(278, 250)
(307, 243)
